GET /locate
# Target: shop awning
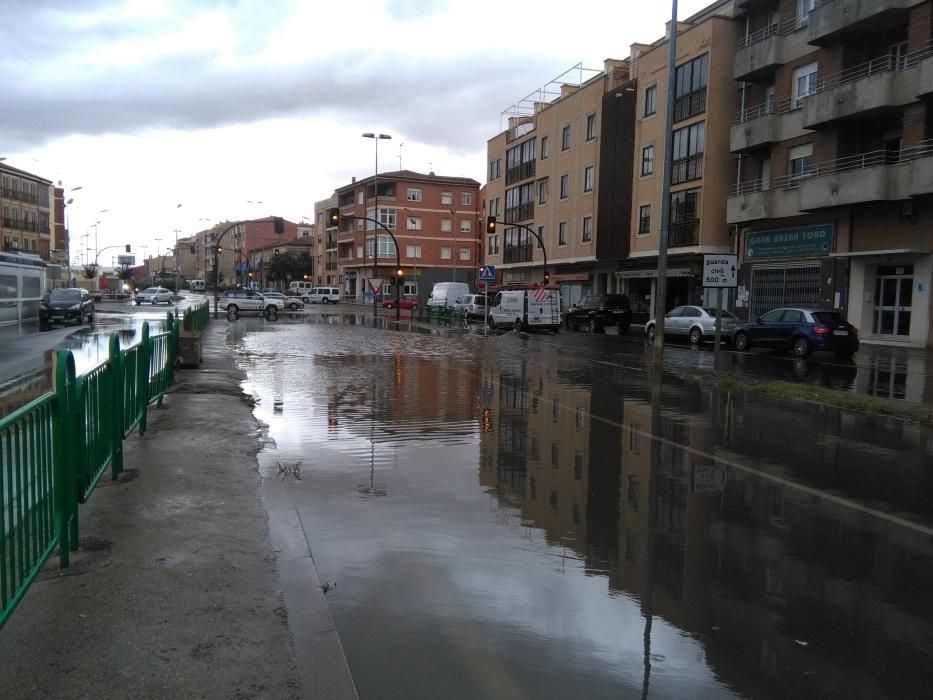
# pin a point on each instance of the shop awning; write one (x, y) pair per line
(643, 274)
(571, 277)
(880, 253)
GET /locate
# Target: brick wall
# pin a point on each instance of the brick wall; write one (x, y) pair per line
(919, 26)
(914, 124)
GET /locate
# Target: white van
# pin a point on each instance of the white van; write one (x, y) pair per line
(526, 309)
(300, 288)
(446, 293)
(196, 285)
(321, 295)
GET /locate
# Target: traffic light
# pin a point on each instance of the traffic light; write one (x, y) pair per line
(547, 278)
(400, 276)
(333, 216)
(490, 224)
(220, 250)
(278, 224)
(250, 274)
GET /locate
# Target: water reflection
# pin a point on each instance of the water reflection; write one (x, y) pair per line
(547, 525)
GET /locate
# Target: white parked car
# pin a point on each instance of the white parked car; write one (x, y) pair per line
(292, 303)
(236, 300)
(474, 305)
(696, 323)
(321, 295)
(155, 295)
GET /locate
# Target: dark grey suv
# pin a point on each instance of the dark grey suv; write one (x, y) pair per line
(596, 312)
(69, 304)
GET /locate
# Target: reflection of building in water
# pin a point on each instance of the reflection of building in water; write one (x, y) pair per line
(23, 388)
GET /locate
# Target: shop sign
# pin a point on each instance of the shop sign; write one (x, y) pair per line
(802, 241)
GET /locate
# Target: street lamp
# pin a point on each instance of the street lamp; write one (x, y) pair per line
(376, 138)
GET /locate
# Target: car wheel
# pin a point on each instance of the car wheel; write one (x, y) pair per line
(519, 326)
(490, 322)
(696, 336)
(325, 300)
(138, 303)
(154, 301)
(650, 333)
(740, 342)
(801, 347)
(233, 309)
(293, 306)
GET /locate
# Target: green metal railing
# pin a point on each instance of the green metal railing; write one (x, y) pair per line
(54, 450)
(196, 317)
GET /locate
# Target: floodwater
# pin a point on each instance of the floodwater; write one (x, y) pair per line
(508, 517)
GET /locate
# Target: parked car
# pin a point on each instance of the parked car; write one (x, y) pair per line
(599, 311)
(68, 304)
(697, 323)
(291, 303)
(155, 295)
(321, 295)
(800, 330)
(473, 304)
(236, 300)
(407, 301)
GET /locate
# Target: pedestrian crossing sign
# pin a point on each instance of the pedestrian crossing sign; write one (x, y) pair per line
(487, 273)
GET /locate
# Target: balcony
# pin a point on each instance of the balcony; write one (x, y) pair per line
(755, 200)
(683, 233)
(762, 51)
(925, 78)
(765, 124)
(517, 254)
(523, 212)
(685, 169)
(522, 171)
(690, 105)
(833, 19)
(878, 85)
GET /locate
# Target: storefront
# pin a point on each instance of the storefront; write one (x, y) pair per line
(640, 286)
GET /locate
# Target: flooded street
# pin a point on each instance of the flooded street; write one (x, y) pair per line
(487, 517)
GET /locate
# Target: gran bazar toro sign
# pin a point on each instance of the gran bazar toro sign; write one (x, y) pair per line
(803, 241)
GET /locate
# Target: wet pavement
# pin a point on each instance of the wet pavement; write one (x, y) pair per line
(515, 517)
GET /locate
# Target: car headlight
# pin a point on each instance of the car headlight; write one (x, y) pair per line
(76, 307)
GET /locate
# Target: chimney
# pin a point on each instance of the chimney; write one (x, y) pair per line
(353, 179)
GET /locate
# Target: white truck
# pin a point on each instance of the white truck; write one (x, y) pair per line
(527, 308)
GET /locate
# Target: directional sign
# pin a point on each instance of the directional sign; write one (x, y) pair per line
(720, 271)
(487, 273)
(375, 283)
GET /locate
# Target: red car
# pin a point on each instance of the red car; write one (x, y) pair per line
(408, 301)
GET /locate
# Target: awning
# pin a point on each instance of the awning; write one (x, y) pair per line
(643, 274)
(577, 277)
(879, 253)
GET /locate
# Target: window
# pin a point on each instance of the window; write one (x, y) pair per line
(386, 218)
(634, 438)
(644, 218)
(898, 54)
(687, 153)
(540, 236)
(446, 226)
(386, 247)
(359, 251)
(466, 198)
(562, 233)
(494, 205)
(647, 160)
(804, 8)
(800, 160)
(565, 138)
(520, 202)
(413, 251)
(447, 198)
(685, 218)
(413, 223)
(445, 252)
(542, 192)
(493, 246)
(495, 169)
(465, 226)
(589, 175)
(360, 197)
(464, 253)
(564, 186)
(804, 82)
(590, 127)
(651, 100)
(543, 147)
(586, 233)
(633, 493)
(690, 88)
(414, 195)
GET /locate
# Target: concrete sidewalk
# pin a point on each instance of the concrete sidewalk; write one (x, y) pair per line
(193, 578)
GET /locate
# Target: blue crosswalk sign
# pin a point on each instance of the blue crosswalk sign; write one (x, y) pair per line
(487, 273)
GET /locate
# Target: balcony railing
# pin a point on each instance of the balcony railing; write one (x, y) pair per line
(684, 169)
(517, 254)
(20, 195)
(520, 213)
(521, 171)
(788, 26)
(690, 105)
(767, 107)
(858, 161)
(683, 233)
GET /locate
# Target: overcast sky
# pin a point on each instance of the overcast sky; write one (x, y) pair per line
(211, 104)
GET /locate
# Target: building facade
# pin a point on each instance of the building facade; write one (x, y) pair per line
(700, 173)
(435, 219)
(325, 249)
(26, 208)
(833, 199)
(562, 171)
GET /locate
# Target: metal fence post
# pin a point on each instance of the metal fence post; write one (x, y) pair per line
(115, 426)
(65, 507)
(142, 377)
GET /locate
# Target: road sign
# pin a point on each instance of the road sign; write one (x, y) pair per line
(487, 273)
(720, 271)
(375, 284)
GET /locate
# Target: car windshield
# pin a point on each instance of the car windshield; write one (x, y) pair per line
(828, 317)
(712, 312)
(65, 295)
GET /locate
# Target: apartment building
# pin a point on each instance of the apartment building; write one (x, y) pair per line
(561, 169)
(234, 261)
(832, 200)
(700, 175)
(263, 275)
(26, 207)
(325, 250)
(435, 219)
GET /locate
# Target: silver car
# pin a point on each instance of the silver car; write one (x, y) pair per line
(155, 295)
(291, 303)
(474, 305)
(698, 323)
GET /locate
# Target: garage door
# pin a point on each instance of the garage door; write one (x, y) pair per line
(773, 286)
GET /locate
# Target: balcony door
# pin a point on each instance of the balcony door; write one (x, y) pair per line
(893, 299)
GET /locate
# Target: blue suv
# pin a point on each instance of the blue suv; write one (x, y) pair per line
(802, 331)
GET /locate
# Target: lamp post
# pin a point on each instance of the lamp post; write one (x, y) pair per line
(376, 138)
(491, 228)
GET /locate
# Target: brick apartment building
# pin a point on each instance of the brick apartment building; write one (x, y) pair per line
(563, 168)
(436, 220)
(326, 271)
(833, 200)
(26, 207)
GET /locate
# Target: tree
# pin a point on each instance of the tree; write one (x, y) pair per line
(124, 273)
(90, 271)
(289, 265)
